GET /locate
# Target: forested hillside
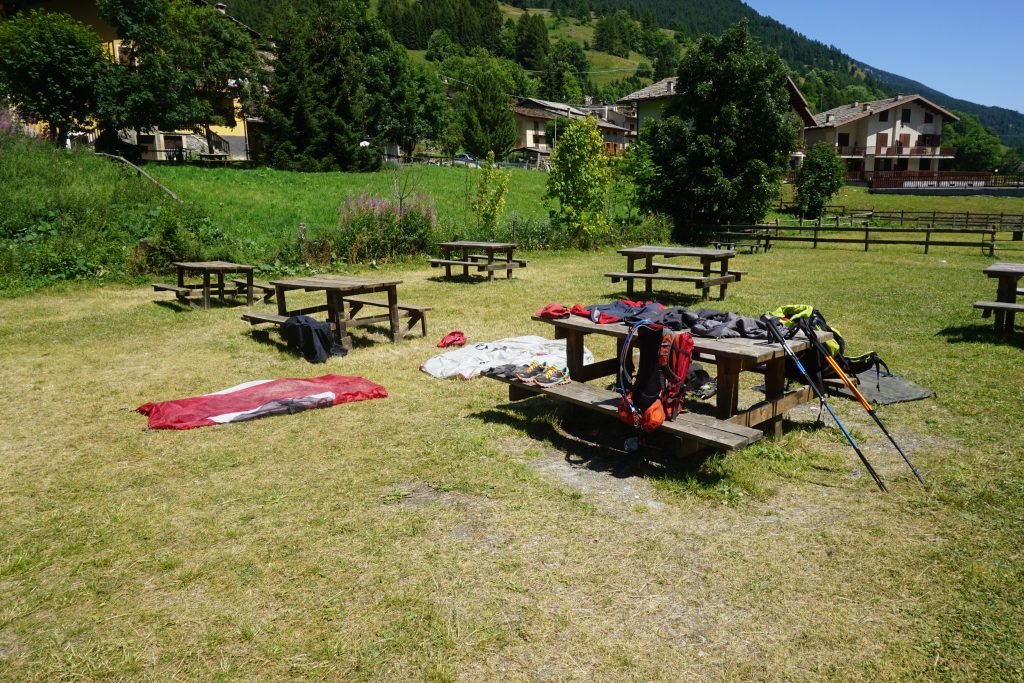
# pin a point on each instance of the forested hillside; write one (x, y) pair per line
(827, 76)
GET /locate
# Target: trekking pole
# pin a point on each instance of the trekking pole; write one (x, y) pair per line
(871, 411)
(774, 332)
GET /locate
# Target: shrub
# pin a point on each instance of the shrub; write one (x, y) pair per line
(490, 196)
(579, 181)
(376, 228)
(819, 178)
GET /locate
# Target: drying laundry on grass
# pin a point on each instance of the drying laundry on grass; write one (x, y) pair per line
(474, 359)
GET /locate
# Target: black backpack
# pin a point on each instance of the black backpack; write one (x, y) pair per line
(814, 359)
(311, 338)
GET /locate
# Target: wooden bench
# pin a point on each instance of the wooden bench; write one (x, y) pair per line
(988, 306)
(414, 314)
(751, 241)
(435, 262)
(517, 262)
(257, 318)
(267, 291)
(689, 428)
(696, 269)
(182, 294)
(700, 281)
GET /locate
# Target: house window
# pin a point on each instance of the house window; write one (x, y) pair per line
(905, 116)
(926, 164)
(843, 140)
(928, 117)
(883, 115)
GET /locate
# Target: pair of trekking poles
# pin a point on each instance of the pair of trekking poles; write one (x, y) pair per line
(812, 337)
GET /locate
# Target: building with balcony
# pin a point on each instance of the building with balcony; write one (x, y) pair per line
(900, 133)
(537, 125)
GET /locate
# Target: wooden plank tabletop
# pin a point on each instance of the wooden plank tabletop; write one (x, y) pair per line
(478, 245)
(214, 266)
(1005, 269)
(750, 351)
(650, 250)
(340, 282)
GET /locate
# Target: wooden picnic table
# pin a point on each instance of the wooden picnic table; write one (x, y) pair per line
(343, 301)
(496, 256)
(184, 291)
(1005, 306)
(712, 271)
(731, 427)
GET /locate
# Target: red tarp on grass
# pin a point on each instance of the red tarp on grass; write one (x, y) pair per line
(258, 399)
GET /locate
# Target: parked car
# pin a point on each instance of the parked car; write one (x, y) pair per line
(463, 159)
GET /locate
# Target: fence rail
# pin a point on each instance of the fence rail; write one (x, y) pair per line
(818, 232)
(940, 179)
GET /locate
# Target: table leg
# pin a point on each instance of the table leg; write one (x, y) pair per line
(774, 387)
(508, 264)
(396, 334)
(630, 268)
(490, 262)
(206, 291)
(447, 266)
(1004, 293)
(705, 291)
(728, 395)
(648, 283)
(723, 270)
(282, 307)
(465, 259)
(220, 286)
(248, 288)
(336, 314)
(181, 276)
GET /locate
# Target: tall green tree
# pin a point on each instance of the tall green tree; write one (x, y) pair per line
(723, 148)
(531, 41)
(49, 64)
(977, 148)
(821, 175)
(183, 65)
(484, 88)
(579, 181)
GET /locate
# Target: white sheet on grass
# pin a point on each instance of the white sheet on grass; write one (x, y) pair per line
(472, 359)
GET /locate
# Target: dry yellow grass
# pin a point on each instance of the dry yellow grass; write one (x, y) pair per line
(443, 534)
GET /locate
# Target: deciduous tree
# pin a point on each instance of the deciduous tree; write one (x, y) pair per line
(49, 64)
(822, 174)
(579, 180)
(723, 148)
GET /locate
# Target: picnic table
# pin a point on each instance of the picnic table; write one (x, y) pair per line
(344, 301)
(495, 256)
(1005, 306)
(731, 427)
(207, 269)
(712, 271)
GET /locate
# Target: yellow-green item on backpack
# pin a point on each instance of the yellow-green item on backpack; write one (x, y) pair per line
(789, 312)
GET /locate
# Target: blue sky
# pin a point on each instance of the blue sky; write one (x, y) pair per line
(970, 49)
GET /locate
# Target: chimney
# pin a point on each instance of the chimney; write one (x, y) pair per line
(854, 105)
(899, 96)
(867, 107)
(828, 118)
(221, 7)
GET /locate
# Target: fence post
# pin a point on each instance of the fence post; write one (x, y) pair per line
(927, 237)
(867, 235)
(815, 237)
(837, 221)
(992, 243)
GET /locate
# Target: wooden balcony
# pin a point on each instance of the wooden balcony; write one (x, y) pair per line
(897, 151)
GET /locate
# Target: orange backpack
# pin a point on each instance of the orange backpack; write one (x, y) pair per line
(656, 393)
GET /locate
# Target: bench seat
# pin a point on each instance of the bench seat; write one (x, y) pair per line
(696, 269)
(700, 280)
(257, 318)
(180, 291)
(516, 262)
(267, 290)
(999, 305)
(435, 262)
(692, 427)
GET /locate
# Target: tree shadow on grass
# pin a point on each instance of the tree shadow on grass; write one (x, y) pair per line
(597, 442)
(264, 336)
(460, 279)
(179, 306)
(986, 334)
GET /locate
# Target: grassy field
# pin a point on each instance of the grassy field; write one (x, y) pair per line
(443, 534)
(266, 205)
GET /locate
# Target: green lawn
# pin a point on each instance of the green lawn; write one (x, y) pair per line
(443, 534)
(266, 206)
